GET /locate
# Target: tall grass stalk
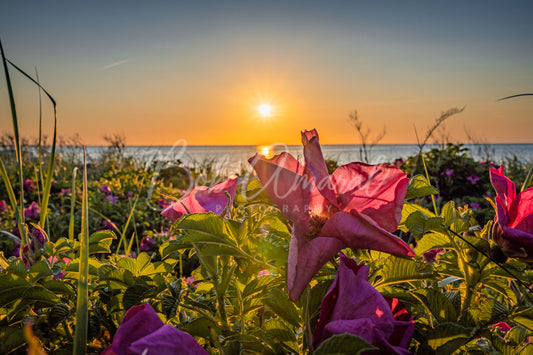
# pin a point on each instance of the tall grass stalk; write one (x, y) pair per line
(48, 183)
(72, 206)
(82, 307)
(19, 210)
(125, 228)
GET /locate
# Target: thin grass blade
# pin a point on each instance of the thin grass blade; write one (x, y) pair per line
(72, 206)
(82, 307)
(20, 210)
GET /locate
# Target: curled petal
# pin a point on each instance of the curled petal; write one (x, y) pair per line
(377, 191)
(166, 340)
(521, 211)
(358, 231)
(505, 188)
(138, 322)
(214, 199)
(186, 204)
(281, 179)
(315, 164)
(306, 261)
(516, 243)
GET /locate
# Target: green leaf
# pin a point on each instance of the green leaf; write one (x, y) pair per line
(419, 187)
(58, 287)
(12, 287)
(12, 339)
(172, 249)
(488, 311)
(344, 344)
(17, 267)
(517, 335)
(39, 270)
(279, 302)
(437, 304)
(100, 242)
(396, 270)
(408, 209)
(448, 337)
(199, 327)
(39, 294)
(432, 241)
(134, 294)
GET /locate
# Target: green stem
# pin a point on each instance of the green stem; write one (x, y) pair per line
(308, 331)
(82, 307)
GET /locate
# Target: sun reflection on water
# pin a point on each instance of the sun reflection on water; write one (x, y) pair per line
(266, 150)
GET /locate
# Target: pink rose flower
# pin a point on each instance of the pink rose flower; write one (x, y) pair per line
(358, 206)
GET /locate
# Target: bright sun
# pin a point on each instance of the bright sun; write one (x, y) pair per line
(265, 110)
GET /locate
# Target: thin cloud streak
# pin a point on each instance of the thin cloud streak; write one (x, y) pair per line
(112, 65)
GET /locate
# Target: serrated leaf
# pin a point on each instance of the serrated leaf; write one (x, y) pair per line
(344, 344)
(39, 294)
(199, 327)
(408, 209)
(58, 287)
(172, 249)
(396, 270)
(437, 303)
(419, 187)
(279, 302)
(12, 287)
(432, 241)
(517, 335)
(488, 311)
(17, 267)
(12, 339)
(448, 337)
(134, 294)
(39, 270)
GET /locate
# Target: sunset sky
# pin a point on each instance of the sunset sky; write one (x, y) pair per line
(160, 71)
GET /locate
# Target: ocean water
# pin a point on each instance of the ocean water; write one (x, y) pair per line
(231, 159)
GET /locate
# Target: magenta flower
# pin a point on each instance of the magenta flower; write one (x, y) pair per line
(502, 326)
(28, 185)
(143, 332)
(163, 203)
(473, 179)
(3, 206)
(110, 226)
(430, 256)
(514, 214)
(105, 189)
(447, 173)
(474, 206)
(66, 191)
(353, 306)
(32, 211)
(147, 244)
(112, 199)
(203, 199)
(359, 206)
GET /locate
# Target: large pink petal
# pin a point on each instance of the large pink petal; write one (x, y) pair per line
(358, 231)
(282, 182)
(315, 164)
(214, 199)
(516, 244)
(377, 191)
(305, 261)
(505, 188)
(186, 204)
(166, 340)
(138, 322)
(521, 211)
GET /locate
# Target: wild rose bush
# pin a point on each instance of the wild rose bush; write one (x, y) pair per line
(305, 258)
